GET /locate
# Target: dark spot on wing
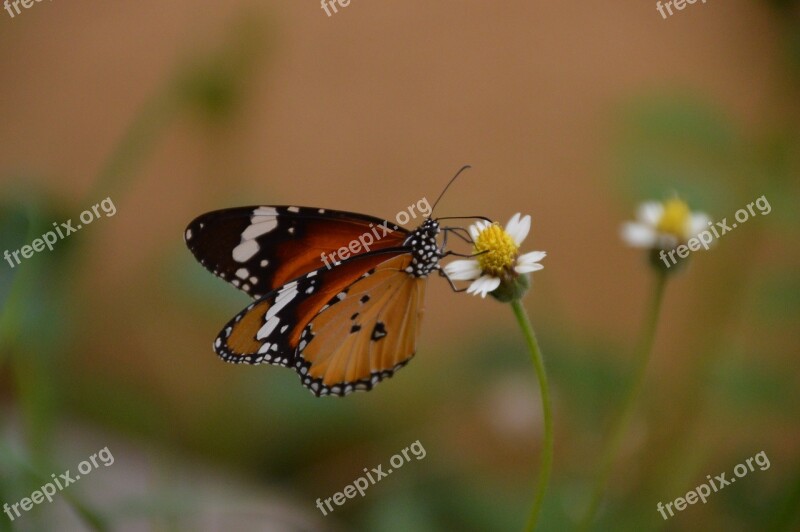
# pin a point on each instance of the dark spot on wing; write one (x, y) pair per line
(379, 331)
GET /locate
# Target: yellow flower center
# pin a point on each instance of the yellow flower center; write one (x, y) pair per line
(675, 220)
(497, 250)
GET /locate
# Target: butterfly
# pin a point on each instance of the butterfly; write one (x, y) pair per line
(342, 325)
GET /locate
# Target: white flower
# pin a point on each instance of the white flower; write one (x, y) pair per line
(497, 255)
(663, 225)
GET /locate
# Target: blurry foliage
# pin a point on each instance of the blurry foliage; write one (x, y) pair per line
(212, 87)
(37, 298)
(788, 13)
(215, 85)
(670, 143)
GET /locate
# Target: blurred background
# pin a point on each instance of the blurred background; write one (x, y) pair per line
(571, 111)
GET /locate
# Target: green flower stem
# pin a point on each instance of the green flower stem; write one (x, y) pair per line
(643, 351)
(546, 460)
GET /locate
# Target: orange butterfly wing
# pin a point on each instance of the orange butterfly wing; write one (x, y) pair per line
(269, 329)
(364, 335)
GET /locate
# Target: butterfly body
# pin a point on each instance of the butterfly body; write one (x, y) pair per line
(424, 249)
(343, 326)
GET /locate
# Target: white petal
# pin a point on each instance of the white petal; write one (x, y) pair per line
(529, 262)
(463, 270)
(526, 268)
(650, 212)
(517, 228)
(638, 235)
(533, 256)
(483, 285)
(698, 223)
(474, 230)
(512, 223)
(477, 228)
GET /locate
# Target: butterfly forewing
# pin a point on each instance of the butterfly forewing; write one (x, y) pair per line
(259, 249)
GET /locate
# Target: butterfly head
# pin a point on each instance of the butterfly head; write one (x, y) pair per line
(425, 252)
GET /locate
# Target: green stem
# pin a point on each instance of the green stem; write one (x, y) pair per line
(643, 351)
(136, 143)
(546, 460)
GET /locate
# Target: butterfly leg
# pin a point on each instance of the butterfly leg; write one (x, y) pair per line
(453, 286)
(455, 231)
(467, 255)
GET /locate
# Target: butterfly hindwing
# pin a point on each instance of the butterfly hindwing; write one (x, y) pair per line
(269, 330)
(261, 248)
(364, 334)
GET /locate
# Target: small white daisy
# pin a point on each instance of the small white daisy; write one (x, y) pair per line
(497, 256)
(663, 225)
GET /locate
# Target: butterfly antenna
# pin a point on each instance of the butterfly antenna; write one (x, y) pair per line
(466, 166)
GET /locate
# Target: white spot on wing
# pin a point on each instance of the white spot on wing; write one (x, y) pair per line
(293, 209)
(242, 273)
(245, 251)
(188, 234)
(267, 329)
(263, 220)
(286, 294)
(260, 226)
